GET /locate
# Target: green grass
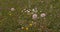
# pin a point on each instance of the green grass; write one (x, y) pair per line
(18, 19)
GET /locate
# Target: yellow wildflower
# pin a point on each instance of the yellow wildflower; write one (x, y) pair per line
(26, 28)
(30, 24)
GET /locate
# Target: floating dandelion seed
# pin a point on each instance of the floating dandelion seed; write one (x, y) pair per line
(43, 15)
(12, 9)
(34, 16)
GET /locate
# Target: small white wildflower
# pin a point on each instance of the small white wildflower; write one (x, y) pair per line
(34, 10)
(12, 9)
(28, 11)
(43, 15)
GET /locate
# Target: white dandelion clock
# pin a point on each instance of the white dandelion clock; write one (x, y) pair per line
(42, 14)
(34, 16)
(12, 9)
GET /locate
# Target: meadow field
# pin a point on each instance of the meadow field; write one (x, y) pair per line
(26, 16)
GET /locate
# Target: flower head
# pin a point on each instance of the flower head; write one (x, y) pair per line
(34, 16)
(43, 15)
(12, 9)
(30, 24)
(26, 28)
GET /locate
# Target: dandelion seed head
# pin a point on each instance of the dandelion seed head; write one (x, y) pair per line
(42, 14)
(34, 16)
